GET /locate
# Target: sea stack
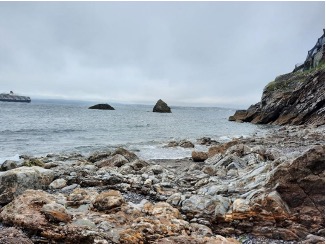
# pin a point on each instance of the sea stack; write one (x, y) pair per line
(102, 107)
(161, 107)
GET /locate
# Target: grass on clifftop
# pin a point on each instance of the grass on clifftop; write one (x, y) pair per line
(291, 79)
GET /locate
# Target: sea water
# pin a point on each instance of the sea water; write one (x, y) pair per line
(43, 127)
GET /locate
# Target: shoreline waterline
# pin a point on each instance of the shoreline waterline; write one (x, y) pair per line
(42, 128)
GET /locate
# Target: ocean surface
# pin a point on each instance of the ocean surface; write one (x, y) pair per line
(43, 127)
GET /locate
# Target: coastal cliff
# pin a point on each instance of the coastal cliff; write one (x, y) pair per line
(295, 98)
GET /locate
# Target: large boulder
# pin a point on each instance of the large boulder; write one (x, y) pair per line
(288, 205)
(301, 185)
(199, 156)
(161, 107)
(108, 200)
(16, 181)
(27, 210)
(102, 107)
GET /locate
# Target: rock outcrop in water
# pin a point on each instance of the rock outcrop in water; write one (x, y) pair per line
(295, 98)
(161, 107)
(269, 187)
(102, 107)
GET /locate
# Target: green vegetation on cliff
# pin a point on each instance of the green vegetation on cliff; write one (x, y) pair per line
(289, 81)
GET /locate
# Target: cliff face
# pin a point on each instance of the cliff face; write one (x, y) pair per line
(295, 98)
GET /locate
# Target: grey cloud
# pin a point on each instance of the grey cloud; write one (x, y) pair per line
(195, 53)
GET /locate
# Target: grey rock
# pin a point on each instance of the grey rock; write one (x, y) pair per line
(200, 206)
(104, 106)
(97, 156)
(161, 107)
(14, 182)
(8, 165)
(58, 184)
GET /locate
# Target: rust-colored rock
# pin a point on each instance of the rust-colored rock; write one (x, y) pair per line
(106, 201)
(199, 156)
(221, 148)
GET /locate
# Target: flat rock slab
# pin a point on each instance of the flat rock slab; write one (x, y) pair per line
(102, 107)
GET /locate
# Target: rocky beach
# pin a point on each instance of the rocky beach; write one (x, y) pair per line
(254, 190)
(262, 188)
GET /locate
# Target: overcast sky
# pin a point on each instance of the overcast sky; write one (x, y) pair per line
(186, 53)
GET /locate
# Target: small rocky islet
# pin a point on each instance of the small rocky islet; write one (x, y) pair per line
(261, 189)
(102, 106)
(161, 107)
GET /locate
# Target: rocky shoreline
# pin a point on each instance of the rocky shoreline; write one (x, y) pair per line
(250, 190)
(294, 98)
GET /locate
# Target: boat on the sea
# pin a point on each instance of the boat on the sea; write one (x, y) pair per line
(12, 97)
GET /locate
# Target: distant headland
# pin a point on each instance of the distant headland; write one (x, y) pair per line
(12, 97)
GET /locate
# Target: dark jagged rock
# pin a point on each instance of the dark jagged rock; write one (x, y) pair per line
(295, 98)
(161, 107)
(102, 107)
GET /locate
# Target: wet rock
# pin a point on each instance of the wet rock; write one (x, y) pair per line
(199, 156)
(207, 141)
(186, 144)
(116, 160)
(172, 144)
(14, 182)
(182, 143)
(130, 156)
(8, 165)
(161, 107)
(97, 156)
(104, 106)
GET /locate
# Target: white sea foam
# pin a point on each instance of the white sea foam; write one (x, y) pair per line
(14, 158)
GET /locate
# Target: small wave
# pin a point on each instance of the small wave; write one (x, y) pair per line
(14, 158)
(38, 131)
